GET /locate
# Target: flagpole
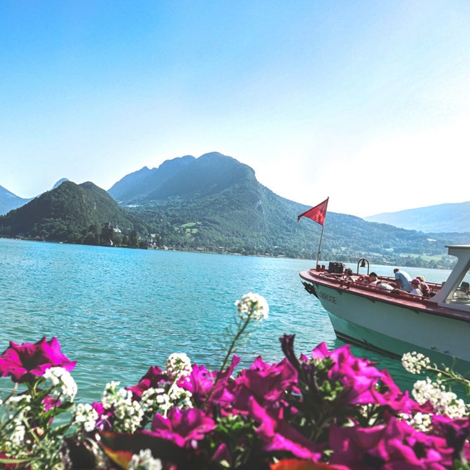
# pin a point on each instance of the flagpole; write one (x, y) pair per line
(319, 246)
(318, 215)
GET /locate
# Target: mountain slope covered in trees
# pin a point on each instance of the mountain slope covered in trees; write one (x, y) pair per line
(215, 203)
(70, 213)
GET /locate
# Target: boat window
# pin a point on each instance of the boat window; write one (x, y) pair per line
(460, 292)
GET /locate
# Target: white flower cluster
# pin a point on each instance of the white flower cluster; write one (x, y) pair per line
(178, 365)
(420, 421)
(61, 377)
(128, 413)
(85, 415)
(144, 461)
(444, 402)
(161, 400)
(13, 433)
(252, 306)
(415, 362)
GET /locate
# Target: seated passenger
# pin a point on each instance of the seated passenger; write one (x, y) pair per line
(415, 283)
(463, 291)
(373, 280)
(347, 275)
(385, 286)
(423, 286)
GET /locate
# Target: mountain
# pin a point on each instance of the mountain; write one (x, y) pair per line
(138, 185)
(214, 202)
(62, 180)
(9, 201)
(68, 213)
(442, 218)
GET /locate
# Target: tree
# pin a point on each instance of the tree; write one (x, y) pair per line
(134, 239)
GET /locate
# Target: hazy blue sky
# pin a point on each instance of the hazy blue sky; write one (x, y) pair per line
(367, 102)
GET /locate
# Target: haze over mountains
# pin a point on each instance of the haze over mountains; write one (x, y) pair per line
(213, 203)
(441, 218)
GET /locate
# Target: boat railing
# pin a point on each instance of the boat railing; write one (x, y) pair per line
(355, 281)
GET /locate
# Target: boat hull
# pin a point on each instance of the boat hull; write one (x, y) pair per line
(394, 329)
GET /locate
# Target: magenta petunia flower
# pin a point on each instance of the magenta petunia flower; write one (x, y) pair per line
(24, 362)
(456, 433)
(278, 435)
(394, 446)
(358, 376)
(151, 379)
(183, 427)
(266, 382)
(199, 382)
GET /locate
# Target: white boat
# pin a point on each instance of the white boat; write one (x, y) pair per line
(395, 322)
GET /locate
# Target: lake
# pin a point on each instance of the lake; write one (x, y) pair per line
(118, 311)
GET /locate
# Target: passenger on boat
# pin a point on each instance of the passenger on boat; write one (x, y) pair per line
(347, 275)
(415, 283)
(463, 291)
(425, 289)
(373, 279)
(403, 279)
(385, 286)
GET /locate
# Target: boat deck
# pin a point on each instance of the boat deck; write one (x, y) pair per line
(395, 297)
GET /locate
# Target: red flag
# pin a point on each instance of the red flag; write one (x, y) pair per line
(317, 213)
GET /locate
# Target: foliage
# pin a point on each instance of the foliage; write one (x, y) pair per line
(329, 410)
(214, 203)
(71, 213)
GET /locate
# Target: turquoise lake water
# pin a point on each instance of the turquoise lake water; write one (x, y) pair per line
(118, 311)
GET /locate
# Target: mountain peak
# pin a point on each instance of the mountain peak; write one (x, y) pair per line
(62, 180)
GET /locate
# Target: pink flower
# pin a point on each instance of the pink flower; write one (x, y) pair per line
(278, 435)
(29, 360)
(266, 382)
(199, 382)
(394, 446)
(358, 376)
(183, 427)
(151, 379)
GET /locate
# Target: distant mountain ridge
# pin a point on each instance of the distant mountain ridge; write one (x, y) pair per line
(9, 201)
(215, 203)
(441, 218)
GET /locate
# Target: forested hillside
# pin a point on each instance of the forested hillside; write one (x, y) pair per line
(70, 213)
(215, 203)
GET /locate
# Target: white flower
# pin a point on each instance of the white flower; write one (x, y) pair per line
(86, 416)
(178, 365)
(252, 306)
(128, 414)
(144, 461)
(444, 402)
(415, 362)
(61, 377)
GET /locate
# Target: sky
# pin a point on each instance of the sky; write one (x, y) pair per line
(366, 102)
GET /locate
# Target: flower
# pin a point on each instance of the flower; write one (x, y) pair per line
(415, 362)
(183, 427)
(393, 446)
(86, 416)
(278, 435)
(144, 461)
(267, 382)
(178, 365)
(151, 379)
(252, 306)
(61, 377)
(24, 362)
